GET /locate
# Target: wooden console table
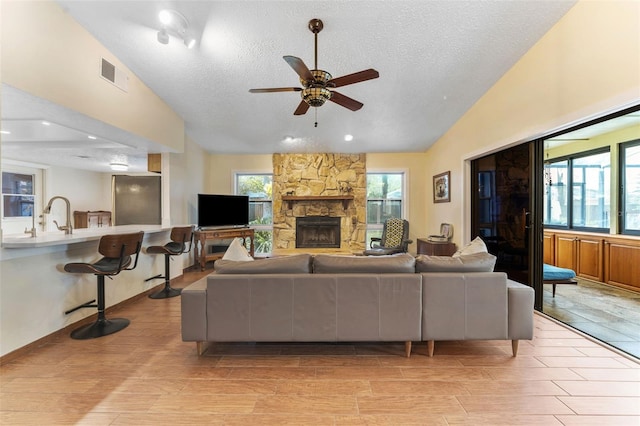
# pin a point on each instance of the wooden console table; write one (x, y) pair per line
(202, 236)
(435, 248)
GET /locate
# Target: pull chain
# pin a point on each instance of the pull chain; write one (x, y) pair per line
(316, 111)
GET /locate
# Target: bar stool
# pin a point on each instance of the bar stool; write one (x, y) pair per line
(180, 235)
(117, 251)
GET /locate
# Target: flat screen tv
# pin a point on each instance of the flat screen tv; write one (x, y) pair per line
(219, 211)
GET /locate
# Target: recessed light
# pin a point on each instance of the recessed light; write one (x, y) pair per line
(92, 137)
(288, 139)
(46, 123)
(119, 167)
(5, 132)
(348, 138)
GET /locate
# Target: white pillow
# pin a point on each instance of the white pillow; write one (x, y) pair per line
(237, 251)
(475, 246)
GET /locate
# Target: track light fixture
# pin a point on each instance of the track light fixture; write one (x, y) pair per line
(175, 24)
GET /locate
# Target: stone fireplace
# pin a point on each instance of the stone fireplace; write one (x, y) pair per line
(319, 186)
(318, 232)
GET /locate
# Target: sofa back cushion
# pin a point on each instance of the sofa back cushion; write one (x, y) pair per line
(393, 264)
(477, 262)
(296, 264)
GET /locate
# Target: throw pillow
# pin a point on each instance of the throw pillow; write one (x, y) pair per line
(296, 264)
(236, 251)
(475, 246)
(390, 264)
(477, 262)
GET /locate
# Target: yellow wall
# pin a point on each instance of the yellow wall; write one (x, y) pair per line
(45, 52)
(611, 140)
(588, 64)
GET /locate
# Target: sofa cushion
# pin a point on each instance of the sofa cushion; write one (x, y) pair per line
(392, 264)
(475, 246)
(477, 262)
(237, 251)
(296, 264)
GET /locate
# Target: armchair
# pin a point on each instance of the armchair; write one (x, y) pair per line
(395, 239)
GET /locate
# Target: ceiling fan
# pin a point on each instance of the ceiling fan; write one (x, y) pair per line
(319, 84)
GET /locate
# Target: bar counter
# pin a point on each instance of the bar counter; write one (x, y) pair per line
(35, 291)
(54, 238)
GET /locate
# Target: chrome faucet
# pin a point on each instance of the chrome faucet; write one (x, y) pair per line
(67, 228)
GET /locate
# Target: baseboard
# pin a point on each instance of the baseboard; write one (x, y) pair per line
(12, 356)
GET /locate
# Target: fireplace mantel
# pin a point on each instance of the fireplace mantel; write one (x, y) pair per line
(290, 199)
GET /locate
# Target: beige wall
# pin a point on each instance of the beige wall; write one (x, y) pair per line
(222, 167)
(412, 163)
(186, 178)
(45, 52)
(588, 64)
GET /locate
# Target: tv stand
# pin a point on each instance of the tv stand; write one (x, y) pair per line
(201, 236)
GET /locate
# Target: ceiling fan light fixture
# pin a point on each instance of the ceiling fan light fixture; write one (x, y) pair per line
(189, 42)
(163, 36)
(316, 96)
(175, 24)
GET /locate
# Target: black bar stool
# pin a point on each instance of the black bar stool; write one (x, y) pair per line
(117, 251)
(180, 236)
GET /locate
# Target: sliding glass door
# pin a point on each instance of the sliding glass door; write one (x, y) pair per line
(505, 207)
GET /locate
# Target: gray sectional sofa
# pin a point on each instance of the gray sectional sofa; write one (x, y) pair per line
(329, 298)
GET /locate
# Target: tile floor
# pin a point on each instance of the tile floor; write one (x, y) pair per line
(607, 313)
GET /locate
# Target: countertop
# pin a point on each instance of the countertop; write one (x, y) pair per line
(54, 238)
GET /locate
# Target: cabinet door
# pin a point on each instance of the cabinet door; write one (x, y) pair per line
(548, 247)
(622, 265)
(79, 220)
(590, 258)
(566, 252)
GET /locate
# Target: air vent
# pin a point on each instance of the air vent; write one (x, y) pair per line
(109, 72)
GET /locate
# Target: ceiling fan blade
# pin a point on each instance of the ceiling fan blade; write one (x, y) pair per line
(345, 101)
(356, 77)
(299, 67)
(302, 108)
(276, 89)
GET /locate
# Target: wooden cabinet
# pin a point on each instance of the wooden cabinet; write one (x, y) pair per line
(202, 236)
(611, 259)
(91, 219)
(432, 248)
(622, 263)
(590, 258)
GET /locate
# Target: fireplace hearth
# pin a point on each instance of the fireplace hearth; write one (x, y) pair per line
(317, 232)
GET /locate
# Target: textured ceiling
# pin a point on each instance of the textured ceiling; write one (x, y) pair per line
(435, 59)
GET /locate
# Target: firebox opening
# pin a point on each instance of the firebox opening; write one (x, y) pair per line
(317, 232)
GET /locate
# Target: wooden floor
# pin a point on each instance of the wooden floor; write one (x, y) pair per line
(145, 375)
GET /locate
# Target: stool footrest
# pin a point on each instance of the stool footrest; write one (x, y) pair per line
(89, 304)
(155, 277)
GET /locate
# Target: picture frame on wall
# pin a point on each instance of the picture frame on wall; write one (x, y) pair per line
(441, 187)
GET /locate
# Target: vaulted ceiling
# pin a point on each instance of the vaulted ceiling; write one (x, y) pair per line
(435, 60)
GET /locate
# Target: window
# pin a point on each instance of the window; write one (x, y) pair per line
(385, 200)
(630, 187)
(577, 192)
(17, 195)
(258, 188)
